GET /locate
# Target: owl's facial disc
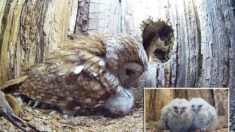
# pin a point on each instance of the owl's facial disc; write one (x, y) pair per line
(179, 110)
(196, 108)
(129, 74)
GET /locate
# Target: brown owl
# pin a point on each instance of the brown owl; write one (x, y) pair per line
(80, 77)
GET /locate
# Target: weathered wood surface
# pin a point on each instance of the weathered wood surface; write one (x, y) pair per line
(30, 30)
(153, 105)
(202, 55)
(203, 31)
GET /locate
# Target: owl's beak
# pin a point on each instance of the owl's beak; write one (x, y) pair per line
(180, 112)
(195, 110)
(126, 93)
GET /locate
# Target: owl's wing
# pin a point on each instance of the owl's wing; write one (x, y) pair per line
(164, 118)
(72, 77)
(13, 82)
(81, 56)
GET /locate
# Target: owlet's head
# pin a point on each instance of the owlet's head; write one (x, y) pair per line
(197, 104)
(179, 106)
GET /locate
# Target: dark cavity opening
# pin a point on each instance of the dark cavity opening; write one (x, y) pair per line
(160, 55)
(158, 40)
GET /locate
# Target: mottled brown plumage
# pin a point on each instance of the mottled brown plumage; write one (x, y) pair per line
(84, 73)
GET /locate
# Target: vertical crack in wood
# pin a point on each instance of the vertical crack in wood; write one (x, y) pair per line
(200, 56)
(82, 19)
(4, 21)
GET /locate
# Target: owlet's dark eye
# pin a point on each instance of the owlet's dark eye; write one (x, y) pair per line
(200, 106)
(129, 72)
(193, 106)
(175, 107)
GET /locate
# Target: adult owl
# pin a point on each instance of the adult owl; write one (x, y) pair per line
(81, 76)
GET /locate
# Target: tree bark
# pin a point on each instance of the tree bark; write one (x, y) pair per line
(30, 30)
(203, 34)
(204, 37)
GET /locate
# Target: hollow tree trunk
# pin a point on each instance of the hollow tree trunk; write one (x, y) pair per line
(201, 55)
(203, 32)
(30, 30)
(204, 36)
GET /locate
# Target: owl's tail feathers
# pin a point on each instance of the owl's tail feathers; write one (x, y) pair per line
(10, 85)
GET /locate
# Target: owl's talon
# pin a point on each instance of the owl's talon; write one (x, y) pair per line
(127, 93)
(30, 103)
(123, 92)
(36, 104)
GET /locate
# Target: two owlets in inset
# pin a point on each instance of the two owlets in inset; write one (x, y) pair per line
(181, 115)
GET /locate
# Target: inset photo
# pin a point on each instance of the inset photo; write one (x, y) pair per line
(186, 110)
(232, 110)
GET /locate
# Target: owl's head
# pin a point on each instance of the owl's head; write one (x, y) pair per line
(197, 104)
(126, 59)
(179, 106)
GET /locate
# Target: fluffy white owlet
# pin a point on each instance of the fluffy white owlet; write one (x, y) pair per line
(81, 76)
(120, 105)
(176, 116)
(204, 115)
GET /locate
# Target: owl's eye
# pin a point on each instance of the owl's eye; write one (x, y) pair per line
(129, 72)
(175, 107)
(200, 106)
(193, 106)
(133, 68)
